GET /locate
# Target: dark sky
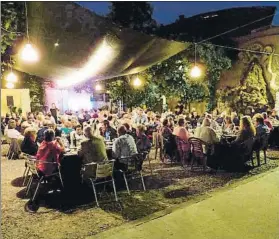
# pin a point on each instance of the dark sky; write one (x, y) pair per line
(167, 12)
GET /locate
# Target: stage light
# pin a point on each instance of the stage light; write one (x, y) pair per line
(195, 72)
(98, 87)
(11, 77)
(29, 54)
(137, 82)
(10, 85)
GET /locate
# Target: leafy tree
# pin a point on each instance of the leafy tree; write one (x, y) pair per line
(172, 79)
(135, 15)
(12, 25)
(215, 60)
(121, 88)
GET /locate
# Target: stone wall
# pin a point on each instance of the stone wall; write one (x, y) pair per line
(253, 79)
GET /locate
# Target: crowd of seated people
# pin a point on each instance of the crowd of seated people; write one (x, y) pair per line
(131, 131)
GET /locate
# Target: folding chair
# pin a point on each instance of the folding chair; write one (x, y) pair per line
(197, 151)
(26, 157)
(104, 174)
(132, 166)
(31, 164)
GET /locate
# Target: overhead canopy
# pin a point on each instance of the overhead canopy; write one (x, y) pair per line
(90, 47)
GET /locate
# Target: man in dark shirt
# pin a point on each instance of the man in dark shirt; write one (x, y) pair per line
(40, 135)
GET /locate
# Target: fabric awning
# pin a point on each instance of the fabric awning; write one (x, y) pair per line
(90, 47)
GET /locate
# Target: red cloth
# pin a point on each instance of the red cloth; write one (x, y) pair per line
(48, 152)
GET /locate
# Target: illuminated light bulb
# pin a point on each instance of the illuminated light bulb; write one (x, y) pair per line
(195, 72)
(98, 87)
(10, 85)
(11, 77)
(56, 44)
(137, 82)
(29, 54)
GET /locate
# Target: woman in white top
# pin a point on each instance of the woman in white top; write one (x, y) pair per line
(206, 133)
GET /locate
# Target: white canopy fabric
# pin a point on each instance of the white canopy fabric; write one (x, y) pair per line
(90, 47)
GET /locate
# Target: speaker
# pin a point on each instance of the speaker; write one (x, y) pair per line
(10, 101)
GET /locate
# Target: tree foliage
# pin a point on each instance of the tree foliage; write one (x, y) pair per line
(172, 78)
(134, 15)
(12, 22)
(216, 61)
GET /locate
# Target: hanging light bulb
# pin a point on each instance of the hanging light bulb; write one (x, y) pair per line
(98, 87)
(137, 82)
(56, 44)
(29, 54)
(11, 77)
(195, 72)
(10, 85)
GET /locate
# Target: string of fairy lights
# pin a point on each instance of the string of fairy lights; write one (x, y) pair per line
(30, 54)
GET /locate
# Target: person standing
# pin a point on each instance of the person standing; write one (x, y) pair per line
(54, 111)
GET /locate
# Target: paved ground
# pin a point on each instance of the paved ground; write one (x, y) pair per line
(248, 211)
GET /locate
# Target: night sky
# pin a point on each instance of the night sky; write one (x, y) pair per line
(167, 12)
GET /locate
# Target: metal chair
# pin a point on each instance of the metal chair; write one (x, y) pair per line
(31, 164)
(197, 151)
(158, 145)
(145, 156)
(26, 158)
(132, 166)
(14, 149)
(104, 174)
(260, 143)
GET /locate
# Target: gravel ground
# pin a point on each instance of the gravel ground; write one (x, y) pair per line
(168, 186)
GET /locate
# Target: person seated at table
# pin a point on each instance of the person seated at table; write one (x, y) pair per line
(235, 118)
(214, 124)
(108, 132)
(29, 145)
(57, 131)
(76, 136)
(261, 127)
(49, 151)
(40, 120)
(67, 128)
(194, 119)
(124, 145)
(246, 131)
(228, 125)
(165, 130)
(206, 133)
(142, 141)
(181, 131)
(11, 131)
(131, 130)
(40, 135)
(93, 150)
(220, 118)
(141, 117)
(267, 121)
